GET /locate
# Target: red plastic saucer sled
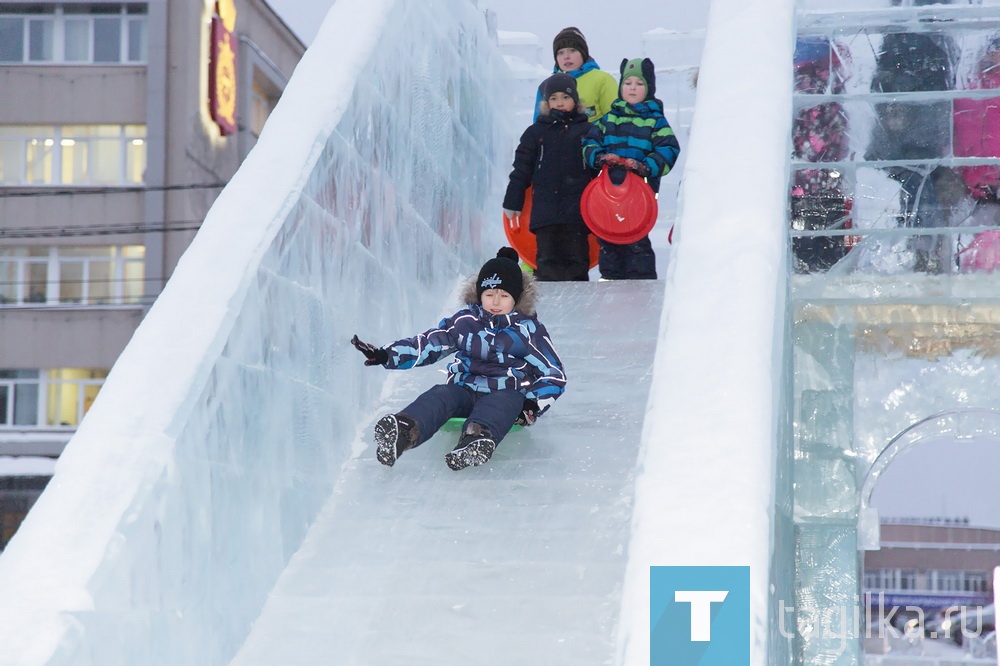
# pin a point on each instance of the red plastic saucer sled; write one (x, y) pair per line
(619, 214)
(522, 240)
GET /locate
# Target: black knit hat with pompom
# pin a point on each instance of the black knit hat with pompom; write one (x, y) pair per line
(502, 272)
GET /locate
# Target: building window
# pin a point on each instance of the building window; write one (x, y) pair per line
(895, 580)
(75, 34)
(51, 398)
(71, 392)
(262, 103)
(18, 397)
(977, 581)
(87, 275)
(959, 581)
(17, 495)
(72, 154)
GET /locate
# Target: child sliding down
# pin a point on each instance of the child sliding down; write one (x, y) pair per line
(505, 370)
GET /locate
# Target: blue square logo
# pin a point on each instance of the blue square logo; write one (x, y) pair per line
(699, 616)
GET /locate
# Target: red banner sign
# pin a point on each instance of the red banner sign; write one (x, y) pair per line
(222, 77)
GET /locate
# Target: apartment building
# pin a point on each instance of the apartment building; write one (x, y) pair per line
(120, 122)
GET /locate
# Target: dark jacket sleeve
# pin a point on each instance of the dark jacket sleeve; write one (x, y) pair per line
(551, 378)
(593, 142)
(426, 348)
(525, 158)
(665, 148)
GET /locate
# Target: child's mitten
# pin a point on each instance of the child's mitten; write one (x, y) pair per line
(639, 167)
(374, 355)
(529, 413)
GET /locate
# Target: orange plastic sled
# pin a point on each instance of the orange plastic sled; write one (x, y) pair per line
(522, 240)
(619, 214)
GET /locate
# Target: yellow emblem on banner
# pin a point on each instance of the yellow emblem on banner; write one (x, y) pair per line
(222, 77)
(225, 81)
(227, 12)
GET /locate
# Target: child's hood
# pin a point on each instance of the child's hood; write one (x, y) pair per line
(527, 303)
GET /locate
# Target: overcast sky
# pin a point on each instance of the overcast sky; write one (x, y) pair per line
(611, 35)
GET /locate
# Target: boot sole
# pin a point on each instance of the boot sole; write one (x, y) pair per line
(475, 453)
(386, 437)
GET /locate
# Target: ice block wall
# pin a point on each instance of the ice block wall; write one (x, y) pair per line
(892, 313)
(216, 437)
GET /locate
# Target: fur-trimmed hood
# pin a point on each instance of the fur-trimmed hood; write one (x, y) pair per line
(491, 352)
(526, 305)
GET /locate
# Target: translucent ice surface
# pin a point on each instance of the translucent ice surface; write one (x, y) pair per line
(895, 301)
(220, 502)
(517, 562)
(220, 433)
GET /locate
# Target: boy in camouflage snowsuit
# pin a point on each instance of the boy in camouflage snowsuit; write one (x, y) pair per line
(505, 369)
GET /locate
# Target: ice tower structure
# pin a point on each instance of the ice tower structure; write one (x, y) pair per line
(892, 325)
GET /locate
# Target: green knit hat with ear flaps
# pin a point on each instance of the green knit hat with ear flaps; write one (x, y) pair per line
(641, 68)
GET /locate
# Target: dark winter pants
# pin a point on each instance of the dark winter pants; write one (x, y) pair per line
(635, 261)
(563, 253)
(494, 411)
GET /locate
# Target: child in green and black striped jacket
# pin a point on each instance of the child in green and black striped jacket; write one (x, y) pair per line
(634, 134)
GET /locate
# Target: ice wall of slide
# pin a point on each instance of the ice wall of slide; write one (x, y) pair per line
(215, 440)
(712, 424)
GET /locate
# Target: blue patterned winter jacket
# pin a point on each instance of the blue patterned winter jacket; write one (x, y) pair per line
(636, 131)
(492, 352)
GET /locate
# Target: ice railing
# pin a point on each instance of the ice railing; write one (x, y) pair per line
(217, 436)
(894, 301)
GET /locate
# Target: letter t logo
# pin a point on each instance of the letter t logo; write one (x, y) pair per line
(701, 610)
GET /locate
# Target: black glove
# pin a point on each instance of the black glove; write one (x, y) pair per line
(529, 413)
(374, 355)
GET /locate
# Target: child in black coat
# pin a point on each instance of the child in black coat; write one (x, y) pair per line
(549, 160)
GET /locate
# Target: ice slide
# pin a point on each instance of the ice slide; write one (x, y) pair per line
(220, 503)
(519, 562)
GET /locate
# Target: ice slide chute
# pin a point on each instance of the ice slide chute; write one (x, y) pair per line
(517, 562)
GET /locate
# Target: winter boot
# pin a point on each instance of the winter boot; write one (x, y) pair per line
(474, 448)
(394, 433)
